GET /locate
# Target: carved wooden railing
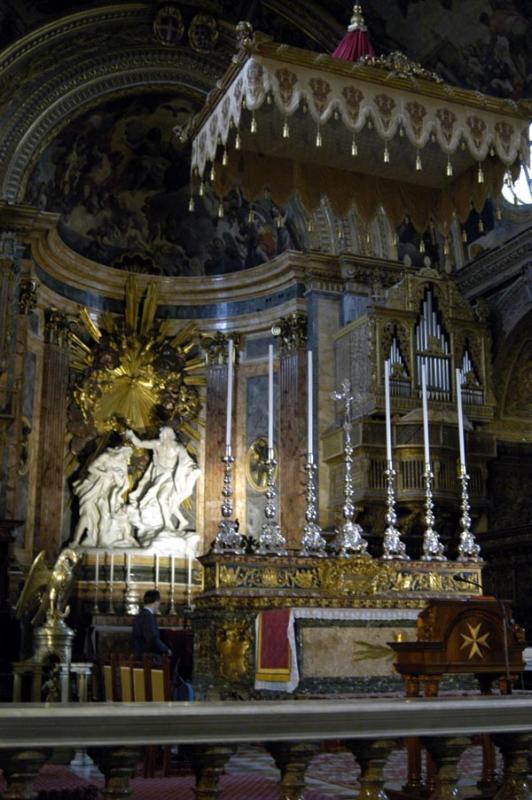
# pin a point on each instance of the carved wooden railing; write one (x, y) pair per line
(114, 734)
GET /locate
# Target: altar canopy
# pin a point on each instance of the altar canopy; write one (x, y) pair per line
(382, 132)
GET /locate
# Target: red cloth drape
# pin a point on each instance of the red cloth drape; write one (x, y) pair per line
(353, 46)
(273, 656)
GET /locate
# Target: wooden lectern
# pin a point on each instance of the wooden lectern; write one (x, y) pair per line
(475, 636)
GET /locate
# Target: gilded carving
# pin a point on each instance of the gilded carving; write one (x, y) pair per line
(233, 644)
(292, 332)
(27, 298)
(215, 347)
(133, 374)
(57, 327)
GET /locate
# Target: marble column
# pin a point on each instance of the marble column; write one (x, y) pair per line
(292, 331)
(20, 431)
(215, 416)
(54, 404)
(9, 276)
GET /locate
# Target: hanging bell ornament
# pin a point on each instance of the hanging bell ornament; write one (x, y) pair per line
(386, 155)
(354, 147)
(286, 130)
(253, 124)
(419, 165)
(201, 189)
(191, 204)
(225, 157)
(449, 169)
(212, 173)
(422, 246)
(238, 141)
(318, 138)
(221, 210)
(480, 175)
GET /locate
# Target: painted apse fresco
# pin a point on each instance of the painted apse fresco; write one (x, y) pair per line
(120, 181)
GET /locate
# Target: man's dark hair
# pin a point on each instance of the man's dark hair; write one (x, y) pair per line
(151, 596)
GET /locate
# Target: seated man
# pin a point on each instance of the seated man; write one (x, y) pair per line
(146, 637)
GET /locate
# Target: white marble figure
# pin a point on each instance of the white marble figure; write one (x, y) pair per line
(102, 507)
(154, 506)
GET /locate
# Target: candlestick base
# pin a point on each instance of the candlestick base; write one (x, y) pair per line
(393, 548)
(349, 540)
(433, 549)
(271, 540)
(468, 549)
(228, 539)
(312, 541)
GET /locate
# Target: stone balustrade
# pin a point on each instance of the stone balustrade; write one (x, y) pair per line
(115, 733)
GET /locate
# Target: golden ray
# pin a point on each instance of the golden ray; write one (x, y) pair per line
(194, 363)
(182, 335)
(132, 303)
(195, 380)
(149, 309)
(107, 322)
(190, 431)
(79, 343)
(89, 324)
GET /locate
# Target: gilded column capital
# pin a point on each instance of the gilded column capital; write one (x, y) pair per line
(27, 296)
(56, 327)
(291, 332)
(215, 347)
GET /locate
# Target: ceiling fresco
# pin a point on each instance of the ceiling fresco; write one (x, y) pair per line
(121, 184)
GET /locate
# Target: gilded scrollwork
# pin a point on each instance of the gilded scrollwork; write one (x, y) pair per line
(292, 332)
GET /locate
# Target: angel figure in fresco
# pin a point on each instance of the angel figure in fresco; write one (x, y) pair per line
(168, 480)
(102, 505)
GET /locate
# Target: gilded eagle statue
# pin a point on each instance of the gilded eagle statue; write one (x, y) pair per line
(46, 590)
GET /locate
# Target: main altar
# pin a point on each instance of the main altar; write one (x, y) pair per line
(301, 479)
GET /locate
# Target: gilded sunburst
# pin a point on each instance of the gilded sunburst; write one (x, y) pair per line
(132, 372)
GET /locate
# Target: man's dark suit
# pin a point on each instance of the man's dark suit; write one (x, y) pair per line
(146, 637)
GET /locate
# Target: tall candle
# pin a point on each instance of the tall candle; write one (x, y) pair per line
(111, 568)
(128, 568)
(229, 411)
(425, 415)
(157, 569)
(270, 400)
(388, 411)
(97, 570)
(460, 415)
(310, 407)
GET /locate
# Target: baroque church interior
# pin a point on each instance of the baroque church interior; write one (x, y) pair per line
(265, 370)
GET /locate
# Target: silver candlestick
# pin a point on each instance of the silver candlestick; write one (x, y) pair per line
(271, 540)
(349, 537)
(312, 542)
(393, 548)
(228, 539)
(432, 547)
(468, 549)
